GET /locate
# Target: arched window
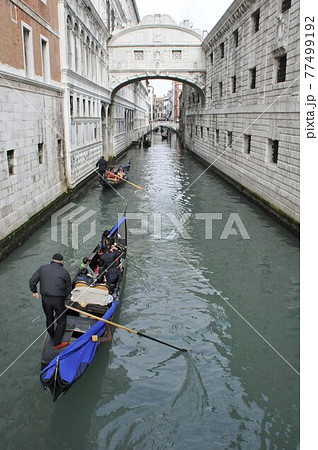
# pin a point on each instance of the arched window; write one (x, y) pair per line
(69, 42)
(76, 47)
(83, 64)
(87, 58)
(101, 62)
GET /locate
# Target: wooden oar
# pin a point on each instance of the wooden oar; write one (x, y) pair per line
(125, 328)
(129, 182)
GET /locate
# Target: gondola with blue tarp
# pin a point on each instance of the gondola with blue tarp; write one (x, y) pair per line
(61, 368)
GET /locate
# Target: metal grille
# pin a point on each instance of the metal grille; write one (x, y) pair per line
(275, 152)
(281, 69)
(222, 50)
(286, 5)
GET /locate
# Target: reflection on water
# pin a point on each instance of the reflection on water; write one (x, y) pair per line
(234, 391)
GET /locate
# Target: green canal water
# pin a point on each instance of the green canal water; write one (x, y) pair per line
(233, 301)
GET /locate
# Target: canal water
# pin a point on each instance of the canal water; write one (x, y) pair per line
(232, 299)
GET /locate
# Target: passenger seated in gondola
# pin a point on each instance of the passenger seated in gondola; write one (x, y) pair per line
(83, 276)
(111, 175)
(85, 265)
(121, 172)
(112, 276)
(107, 258)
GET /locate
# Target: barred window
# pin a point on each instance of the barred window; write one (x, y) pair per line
(222, 50)
(176, 54)
(281, 68)
(138, 55)
(10, 161)
(221, 88)
(211, 57)
(40, 152)
(286, 5)
(275, 145)
(255, 21)
(236, 38)
(217, 136)
(253, 78)
(233, 83)
(229, 138)
(247, 143)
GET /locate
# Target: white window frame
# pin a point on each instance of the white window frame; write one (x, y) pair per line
(45, 60)
(28, 65)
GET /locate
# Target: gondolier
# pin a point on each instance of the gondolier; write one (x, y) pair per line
(55, 285)
(101, 164)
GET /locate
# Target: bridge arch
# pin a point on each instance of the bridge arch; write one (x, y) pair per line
(157, 48)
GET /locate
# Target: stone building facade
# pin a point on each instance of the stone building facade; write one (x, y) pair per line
(57, 111)
(31, 101)
(95, 122)
(247, 127)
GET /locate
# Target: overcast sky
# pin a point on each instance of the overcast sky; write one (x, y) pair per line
(204, 14)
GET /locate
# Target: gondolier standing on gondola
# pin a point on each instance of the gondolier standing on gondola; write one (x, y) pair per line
(55, 285)
(101, 164)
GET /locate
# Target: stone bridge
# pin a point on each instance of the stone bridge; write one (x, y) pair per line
(158, 123)
(157, 48)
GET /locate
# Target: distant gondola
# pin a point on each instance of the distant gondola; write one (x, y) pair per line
(112, 177)
(147, 143)
(164, 136)
(62, 368)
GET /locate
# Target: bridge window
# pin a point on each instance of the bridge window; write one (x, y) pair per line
(217, 136)
(202, 132)
(286, 5)
(196, 130)
(211, 57)
(222, 50)
(138, 55)
(176, 54)
(281, 63)
(236, 38)
(255, 21)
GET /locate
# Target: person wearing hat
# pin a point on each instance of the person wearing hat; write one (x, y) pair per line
(55, 285)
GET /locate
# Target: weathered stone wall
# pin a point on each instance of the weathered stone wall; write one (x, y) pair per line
(30, 115)
(240, 121)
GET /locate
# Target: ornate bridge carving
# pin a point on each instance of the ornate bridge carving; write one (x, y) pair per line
(157, 48)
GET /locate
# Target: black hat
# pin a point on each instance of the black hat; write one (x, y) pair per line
(57, 257)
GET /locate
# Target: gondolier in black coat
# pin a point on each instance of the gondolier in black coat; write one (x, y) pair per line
(101, 164)
(55, 285)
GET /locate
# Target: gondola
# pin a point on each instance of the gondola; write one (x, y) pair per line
(63, 367)
(164, 136)
(116, 180)
(147, 143)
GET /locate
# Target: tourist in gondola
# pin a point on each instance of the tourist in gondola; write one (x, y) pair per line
(101, 164)
(55, 285)
(111, 175)
(84, 276)
(85, 265)
(112, 276)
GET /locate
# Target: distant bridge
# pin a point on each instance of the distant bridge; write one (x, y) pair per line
(164, 123)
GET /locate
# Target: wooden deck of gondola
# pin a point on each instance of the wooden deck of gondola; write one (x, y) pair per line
(74, 324)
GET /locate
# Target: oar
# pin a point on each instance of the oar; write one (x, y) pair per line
(129, 182)
(125, 328)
